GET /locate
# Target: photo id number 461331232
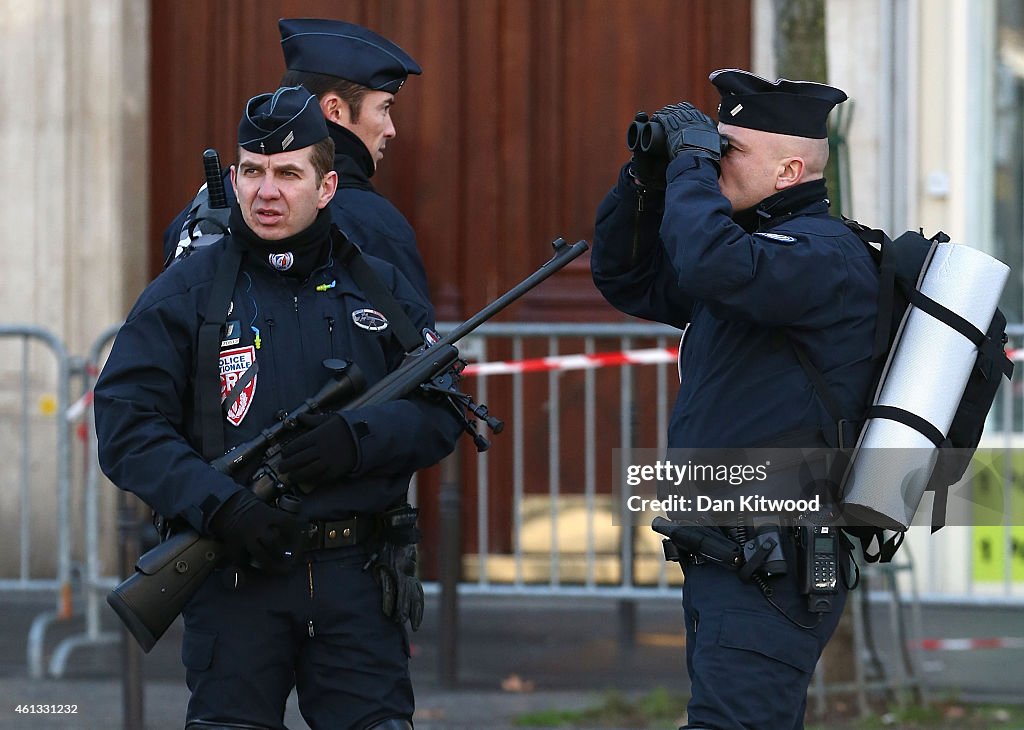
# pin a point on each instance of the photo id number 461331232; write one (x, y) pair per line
(46, 709)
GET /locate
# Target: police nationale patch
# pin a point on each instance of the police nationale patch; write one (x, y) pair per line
(777, 237)
(282, 261)
(370, 319)
(233, 364)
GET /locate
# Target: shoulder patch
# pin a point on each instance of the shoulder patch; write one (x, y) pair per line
(369, 319)
(781, 238)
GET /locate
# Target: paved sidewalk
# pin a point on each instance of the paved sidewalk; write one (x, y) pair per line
(559, 654)
(98, 704)
(562, 654)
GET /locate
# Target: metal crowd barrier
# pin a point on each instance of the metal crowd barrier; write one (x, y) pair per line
(53, 399)
(94, 586)
(534, 557)
(576, 573)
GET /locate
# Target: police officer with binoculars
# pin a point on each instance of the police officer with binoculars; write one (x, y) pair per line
(723, 229)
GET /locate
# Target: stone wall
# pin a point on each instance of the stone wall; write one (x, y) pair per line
(73, 138)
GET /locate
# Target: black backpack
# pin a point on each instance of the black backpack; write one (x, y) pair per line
(900, 264)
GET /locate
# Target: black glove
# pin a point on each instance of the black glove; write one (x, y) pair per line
(401, 591)
(688, 128)
(256, 534)
(325, 453)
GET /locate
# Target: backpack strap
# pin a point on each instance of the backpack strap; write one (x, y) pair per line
(208, 403)
(886, 284)
(845, 432)
(352, 257)
(947, 316)
(914, 421)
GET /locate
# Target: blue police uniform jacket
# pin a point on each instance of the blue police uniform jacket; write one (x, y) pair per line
(147, 434)
(366, 216)
(745, 290)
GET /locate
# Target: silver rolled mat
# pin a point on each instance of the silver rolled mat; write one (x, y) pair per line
(926, 373)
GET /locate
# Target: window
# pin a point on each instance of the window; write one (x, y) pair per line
(1008, 152)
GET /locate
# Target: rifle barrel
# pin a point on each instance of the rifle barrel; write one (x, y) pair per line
(564, 253)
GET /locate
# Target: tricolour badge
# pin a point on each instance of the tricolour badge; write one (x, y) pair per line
(233, 365)
(369, 319)
(281, 261)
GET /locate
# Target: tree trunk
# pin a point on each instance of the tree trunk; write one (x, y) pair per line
(800, 54)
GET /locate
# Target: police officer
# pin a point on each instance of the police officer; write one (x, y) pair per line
(299, 606)
(355, 74)
(738, 248)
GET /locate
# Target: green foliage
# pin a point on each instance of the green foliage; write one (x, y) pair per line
(659, 709)
(662, 709)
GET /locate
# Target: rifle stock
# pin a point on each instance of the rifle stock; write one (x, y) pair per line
(165, 577)
(163, 581)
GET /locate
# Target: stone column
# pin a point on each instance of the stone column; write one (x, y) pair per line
(73, 200)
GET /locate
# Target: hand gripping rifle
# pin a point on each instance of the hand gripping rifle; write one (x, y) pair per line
(165, 577)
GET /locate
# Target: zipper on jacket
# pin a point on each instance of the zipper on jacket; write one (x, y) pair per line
(330, 332)
(309, 572)
(273, 349)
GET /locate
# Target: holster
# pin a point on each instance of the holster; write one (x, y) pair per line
(699, 542)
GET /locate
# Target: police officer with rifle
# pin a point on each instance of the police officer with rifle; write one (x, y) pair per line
(214, 351)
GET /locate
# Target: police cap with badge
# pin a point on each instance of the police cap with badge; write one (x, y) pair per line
(797, 108)
(345, 50)
(287, 119)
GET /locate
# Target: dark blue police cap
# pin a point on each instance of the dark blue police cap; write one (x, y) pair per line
(345, 50)
(799, 108)
(288, 119)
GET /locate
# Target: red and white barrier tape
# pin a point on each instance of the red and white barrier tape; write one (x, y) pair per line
(77, 409)
(557, 362)
(574, 362)
(599, 360)
(1001, 642)
(650, 356)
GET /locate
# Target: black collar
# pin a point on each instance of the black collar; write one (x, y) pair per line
(352, 160)
(296, 256)
(783, 205)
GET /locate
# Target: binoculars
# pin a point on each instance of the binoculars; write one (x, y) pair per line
(646, 135)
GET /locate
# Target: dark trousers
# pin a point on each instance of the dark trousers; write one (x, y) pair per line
(319, 629)
(749, 666)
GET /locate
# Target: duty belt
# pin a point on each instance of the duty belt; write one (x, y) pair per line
(327, 534)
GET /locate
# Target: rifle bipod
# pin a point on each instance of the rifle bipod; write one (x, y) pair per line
(447, 385)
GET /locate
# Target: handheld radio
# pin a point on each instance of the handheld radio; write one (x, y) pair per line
(819, 565)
